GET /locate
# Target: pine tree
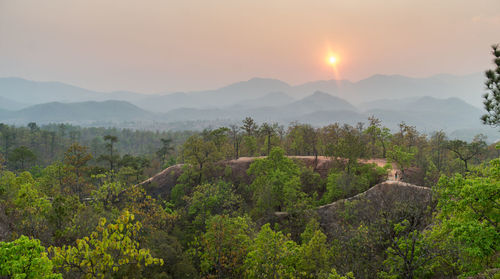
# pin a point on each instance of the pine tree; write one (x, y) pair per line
(492, 98)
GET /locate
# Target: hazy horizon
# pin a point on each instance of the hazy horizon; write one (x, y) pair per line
(196, 45)
(166, 91)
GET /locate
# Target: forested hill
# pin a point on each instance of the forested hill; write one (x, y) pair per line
(233, 202)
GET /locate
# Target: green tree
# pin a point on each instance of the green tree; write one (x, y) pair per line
(218, 137)
(76, 159)
(165, 150)
(438, 144)
(384, 137)
(212, 199)
(112, 158)
(303, 139)
(8, 137)
(492, 98)
(268, 131)
(374, 132)
(25, 258)
(349, 148)
(272, 255)
(21, 157)
(109, 252)
(402, 158)
(340, 184)
(249, 126)
(408, 254)
(334, 191)
(61, 217)
(32, 208)
(468, 217)
(250, 145)
(236, 137)
(132, 168)
(109, 192)
(276, 184)
(200, 153)
(2, 162)
(224, 247)
(315, 258)
(334, 275)
(34, 129)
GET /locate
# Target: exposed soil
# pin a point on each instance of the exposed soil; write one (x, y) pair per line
(162, 183)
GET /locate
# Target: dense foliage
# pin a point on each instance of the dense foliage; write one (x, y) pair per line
(71, 206)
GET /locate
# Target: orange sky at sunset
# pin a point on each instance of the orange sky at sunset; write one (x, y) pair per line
(154, 46)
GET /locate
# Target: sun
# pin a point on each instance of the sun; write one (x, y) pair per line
(332, 63)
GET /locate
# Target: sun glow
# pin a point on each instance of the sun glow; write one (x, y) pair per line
(332, 60)
(332, 64)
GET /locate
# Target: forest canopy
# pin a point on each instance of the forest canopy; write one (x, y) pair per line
(247, 201)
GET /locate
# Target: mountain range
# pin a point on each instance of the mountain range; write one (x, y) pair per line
(435, 103)
(468, 87)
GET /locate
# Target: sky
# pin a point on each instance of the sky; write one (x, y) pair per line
(154, 46)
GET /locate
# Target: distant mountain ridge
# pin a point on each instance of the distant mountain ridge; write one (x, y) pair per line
(225, 96)
(36, 92)
(469, 88)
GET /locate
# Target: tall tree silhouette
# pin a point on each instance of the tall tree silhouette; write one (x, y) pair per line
(492, 98)
(111, 157)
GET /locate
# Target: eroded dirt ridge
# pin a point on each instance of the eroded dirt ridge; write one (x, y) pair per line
(162, 183)
(388, 196)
